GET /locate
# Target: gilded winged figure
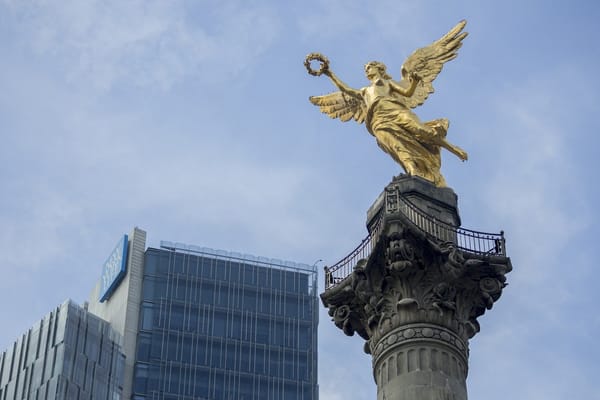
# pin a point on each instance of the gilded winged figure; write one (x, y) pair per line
(385, 106)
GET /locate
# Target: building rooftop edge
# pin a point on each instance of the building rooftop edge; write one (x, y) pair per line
(177, 246)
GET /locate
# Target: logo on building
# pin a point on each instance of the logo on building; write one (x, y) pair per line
(114, 269)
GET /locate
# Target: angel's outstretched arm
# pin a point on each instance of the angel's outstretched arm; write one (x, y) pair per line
(414, 81)
(341, 85)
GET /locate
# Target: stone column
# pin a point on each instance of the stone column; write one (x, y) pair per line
(416, 298)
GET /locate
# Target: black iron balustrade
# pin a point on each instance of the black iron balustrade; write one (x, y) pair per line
(465, 239)
(343, 268)
(470, 241)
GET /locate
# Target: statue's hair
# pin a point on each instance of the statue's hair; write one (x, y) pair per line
(380, 66)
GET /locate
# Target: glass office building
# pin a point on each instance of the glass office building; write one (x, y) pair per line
(69, 354)
(218, 325)
(175, 322)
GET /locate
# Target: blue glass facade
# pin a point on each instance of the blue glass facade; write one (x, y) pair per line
(182, 323)
(69, 354)
(216, 326)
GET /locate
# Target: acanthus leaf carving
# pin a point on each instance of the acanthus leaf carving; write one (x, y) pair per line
(417, 279)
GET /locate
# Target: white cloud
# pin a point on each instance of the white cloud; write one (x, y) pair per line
(144, 42)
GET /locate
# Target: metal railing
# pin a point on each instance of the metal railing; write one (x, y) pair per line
(343, 268)
(465, 239)
(470, 241)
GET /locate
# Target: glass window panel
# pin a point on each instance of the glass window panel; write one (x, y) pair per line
(179, 287)
(303, 366)
(163, 264)
(264, 305)
(291, 391)
(52, 388)
(201, 382)
(205, 267)
(222, 295)
(291, 307)
(304, 337)
(274, 363)
(303, 283)
(153, 377)
(249, 274)
(89, 374)
(36, 379)
(262, 332)
(147, 316)
(231, 359)
(157, 344)
(140, 380)
(235, 325)
(215, 357)
(178, 261)
(187, 349)
(193, 267)
(277, 333)
(245, 360)
(10, 390)
(290, 281)
(50, 362)
(148, 289)
(172, 347)
(33, 343)
(207, 294)
(219, 323)
(265, 388)
(191, 321)
(221, 270)
(151, 263)
(79, 371)
(250, 299)
(92, 345)
(176, 318)
(72, 392)
(235, 270)
(260, 356)
(289, 366)
(201, 353)
(263, 276)
(219, 384)
(144, 344)
(276, 281)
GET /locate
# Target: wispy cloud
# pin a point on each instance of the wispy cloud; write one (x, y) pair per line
(144, 42)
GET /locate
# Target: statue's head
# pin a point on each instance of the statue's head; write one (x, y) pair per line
(378, 66)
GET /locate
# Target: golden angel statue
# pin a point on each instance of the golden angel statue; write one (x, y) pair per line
(385, 106)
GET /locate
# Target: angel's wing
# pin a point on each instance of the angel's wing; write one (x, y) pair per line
(342, 106)
(427, 63)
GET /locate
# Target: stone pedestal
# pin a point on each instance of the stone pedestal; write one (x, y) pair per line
(415, 299)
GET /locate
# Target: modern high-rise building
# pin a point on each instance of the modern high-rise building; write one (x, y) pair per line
(196, 323)
(69, 354)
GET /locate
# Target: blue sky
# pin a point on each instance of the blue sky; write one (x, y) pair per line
(191, 120)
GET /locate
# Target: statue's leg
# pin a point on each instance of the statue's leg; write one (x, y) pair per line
(457, 151)
(389, 143)
(421, 131)
(441, 127)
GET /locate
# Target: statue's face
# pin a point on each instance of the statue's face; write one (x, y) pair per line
(373, 72)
